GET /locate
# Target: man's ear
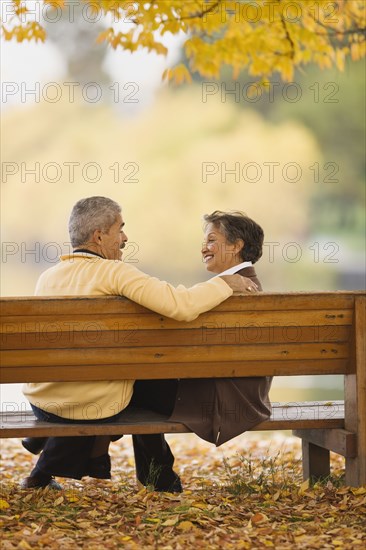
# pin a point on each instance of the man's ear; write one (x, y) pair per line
(97, 236)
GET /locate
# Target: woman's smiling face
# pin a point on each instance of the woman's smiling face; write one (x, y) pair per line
(217, 253)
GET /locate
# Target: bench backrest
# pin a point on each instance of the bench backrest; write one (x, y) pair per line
(110, 338)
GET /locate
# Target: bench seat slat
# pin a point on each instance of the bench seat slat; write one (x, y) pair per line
(137, 421)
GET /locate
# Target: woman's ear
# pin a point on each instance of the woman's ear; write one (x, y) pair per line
(239, 245)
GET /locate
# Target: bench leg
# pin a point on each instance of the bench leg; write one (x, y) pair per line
(355, 398)
(354, 477)
(315, 461)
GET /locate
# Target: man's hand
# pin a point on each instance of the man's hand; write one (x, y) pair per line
(240, 285)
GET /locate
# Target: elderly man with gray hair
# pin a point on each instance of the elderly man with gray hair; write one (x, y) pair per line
(95, 267)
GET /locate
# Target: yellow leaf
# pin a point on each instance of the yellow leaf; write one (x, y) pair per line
(84, 524)
(23, 544)
(171, 521)
(71, 494)
(304, 487)
(178, 74)
(166, 75)
(58, 501)
(160, 48)
(340, 58)
(200, 505)
(105, 35)
(8, 35)
(355, 51)
(4, 504)
(185, 526)
(359, 491)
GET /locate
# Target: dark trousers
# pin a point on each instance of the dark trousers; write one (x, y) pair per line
(70, 456)
(153, 457)
(66, 456)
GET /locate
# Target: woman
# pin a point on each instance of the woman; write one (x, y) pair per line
(219, 409)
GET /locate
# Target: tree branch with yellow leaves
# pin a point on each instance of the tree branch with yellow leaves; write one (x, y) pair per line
(242, 34)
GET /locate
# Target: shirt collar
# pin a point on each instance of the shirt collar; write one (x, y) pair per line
(86, 252)
(234, 269)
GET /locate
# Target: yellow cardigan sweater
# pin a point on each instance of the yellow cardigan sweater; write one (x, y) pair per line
(86, 274)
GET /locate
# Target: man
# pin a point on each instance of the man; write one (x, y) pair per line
(95, 267)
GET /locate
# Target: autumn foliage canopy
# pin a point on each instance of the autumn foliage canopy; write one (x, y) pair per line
(261, 36)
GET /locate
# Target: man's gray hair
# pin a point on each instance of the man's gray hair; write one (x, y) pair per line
(90, 214)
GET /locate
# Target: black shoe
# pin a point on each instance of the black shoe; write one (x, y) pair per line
(174, 487)
(34, 444)
(34, 482)
(100, 467)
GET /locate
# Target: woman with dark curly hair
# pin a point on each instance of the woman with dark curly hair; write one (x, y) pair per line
(218, 409)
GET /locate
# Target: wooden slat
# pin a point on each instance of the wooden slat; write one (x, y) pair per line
(210, 322)
(174, 354)
(339, 441)
(66, 305)
(172, 337)
(31, 305)
(144, 371)
(137, 421)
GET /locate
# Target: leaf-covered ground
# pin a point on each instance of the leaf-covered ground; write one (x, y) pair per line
(247, 494)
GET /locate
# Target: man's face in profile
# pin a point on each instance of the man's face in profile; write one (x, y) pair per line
(112, 242)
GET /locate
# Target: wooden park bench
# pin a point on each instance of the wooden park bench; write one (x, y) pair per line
(111, 338)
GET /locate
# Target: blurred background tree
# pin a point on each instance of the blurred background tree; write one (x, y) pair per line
(83, 56)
